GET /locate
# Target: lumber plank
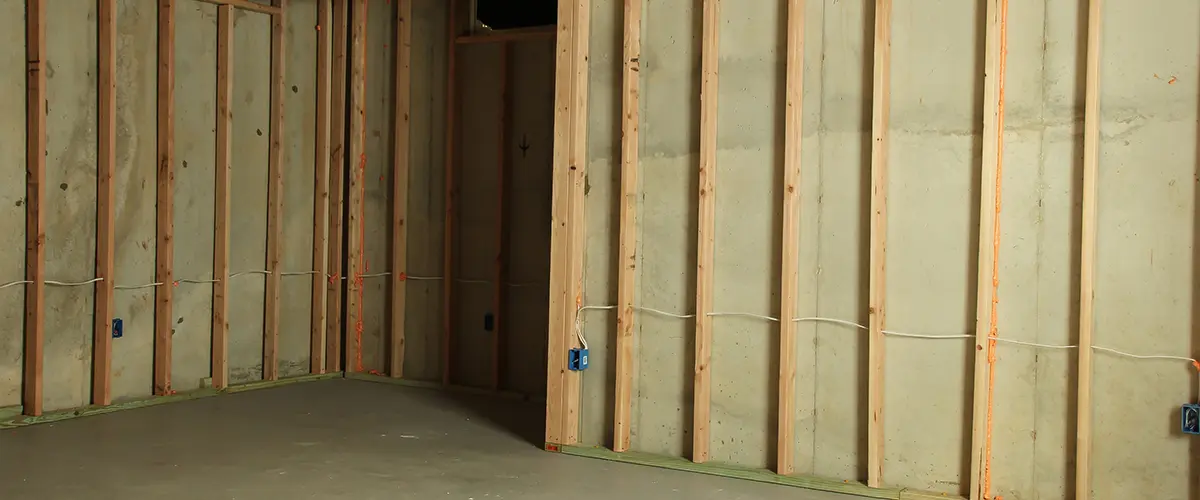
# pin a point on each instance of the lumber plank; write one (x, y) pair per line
(627, 272)
(358, 159)
(450, 194)
(400, 176)
(274, 201)
(105, 203)
(35, 191)
(988, 262)
(503, 226)
(316, 348)
(558, 343)
(706, 242)
(881, 104)
(247, 5)
(165, 215)
(334, 338)
(1087, 260)
(793, 122)
(221, 195)
(504, 36)
(577, 218)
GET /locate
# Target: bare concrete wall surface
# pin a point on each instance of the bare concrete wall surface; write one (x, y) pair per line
(12, 198)
(423, 323)
(137, 57)
(70, 204)
(195, 170)
(299, 177)
(70, 219)
(1144, 288)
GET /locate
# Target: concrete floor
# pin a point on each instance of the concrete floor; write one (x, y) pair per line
(328, 440)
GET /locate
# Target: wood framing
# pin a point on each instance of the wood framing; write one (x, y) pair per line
(706, 242)
(400, 171)
(567, 228)
(627, 252)
(1087, 260)
(274, 201)
(35, 191)
(512, 35)
(989, 248)
(248, 5)
(316, 347)
(450, 191)
(164, 273)
(504, 163)
(358, 159)
(793, 123)
(337, 173)
(881, 107)
(106, 159)
(221, 195)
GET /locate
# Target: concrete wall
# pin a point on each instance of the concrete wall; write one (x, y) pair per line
(71, 194)
(477, 182)
(1145, 273)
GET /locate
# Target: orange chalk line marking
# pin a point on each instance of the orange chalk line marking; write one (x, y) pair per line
(992, 320)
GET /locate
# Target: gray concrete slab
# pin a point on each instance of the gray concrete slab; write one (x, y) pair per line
(329, 440)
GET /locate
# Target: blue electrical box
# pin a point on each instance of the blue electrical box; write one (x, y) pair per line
(118, 328)
(1190, 419)
(577, 360)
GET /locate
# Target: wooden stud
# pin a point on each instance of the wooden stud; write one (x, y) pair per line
(504, 162)
(337, 172)
(504, 36)
(400, 175)
(793, 122)
(105, 204)
(566, 233)
(358, 159)
(274, 202)
(578, 218)
(559, 342)
(706, 243)
(316, 347)
(165, 218)
(220, 320)
(1087, 276)
(627, 273)
(35, 185)
(881, 108)
(450, 191)
(988, 264)
(247, 5)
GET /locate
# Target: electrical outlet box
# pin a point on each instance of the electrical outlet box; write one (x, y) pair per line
(577, 360)
(489, 322)
(1190, 419)
(118, 328)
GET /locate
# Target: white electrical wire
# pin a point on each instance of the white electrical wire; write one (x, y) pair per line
(893, 333)
(744, 315)
(71, 283)
(15, 283)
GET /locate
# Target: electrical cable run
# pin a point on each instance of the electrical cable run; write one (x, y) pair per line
(260, 272)
(583, 342)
